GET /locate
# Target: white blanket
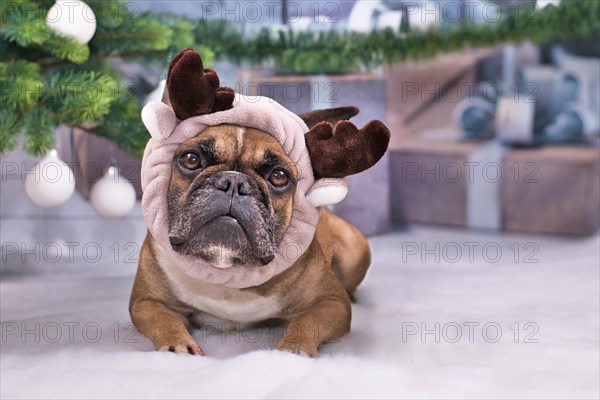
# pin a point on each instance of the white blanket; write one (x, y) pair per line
(66, 332)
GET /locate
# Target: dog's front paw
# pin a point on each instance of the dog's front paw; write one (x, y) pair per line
(298, 347)
(181, 345)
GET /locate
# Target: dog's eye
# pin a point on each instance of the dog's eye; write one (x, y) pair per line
(190, 161)
(279, 178)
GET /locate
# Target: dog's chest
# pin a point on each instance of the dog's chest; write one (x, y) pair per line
(226, 303)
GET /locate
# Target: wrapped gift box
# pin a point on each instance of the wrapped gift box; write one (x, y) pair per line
(90, 156)
(563, 199)
(554, 189)
(423, 93)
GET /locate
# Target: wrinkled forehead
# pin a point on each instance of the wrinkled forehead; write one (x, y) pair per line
(231, 143)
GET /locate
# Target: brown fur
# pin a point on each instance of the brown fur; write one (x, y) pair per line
(312, 293)
(315, 300)
(226, 154)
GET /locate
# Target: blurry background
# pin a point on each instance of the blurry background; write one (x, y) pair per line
(490, 189)
(493, 106)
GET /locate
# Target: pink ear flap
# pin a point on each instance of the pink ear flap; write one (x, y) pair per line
(159, 119)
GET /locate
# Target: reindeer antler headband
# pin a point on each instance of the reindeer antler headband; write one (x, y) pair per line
(194, 90)
(324, 154)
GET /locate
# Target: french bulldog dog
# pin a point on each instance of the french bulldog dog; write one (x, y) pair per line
(230, 200)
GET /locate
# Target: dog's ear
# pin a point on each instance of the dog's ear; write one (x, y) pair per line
(342, 149)
(331, 115)
(193, 90)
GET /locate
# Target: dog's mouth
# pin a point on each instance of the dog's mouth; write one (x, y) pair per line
(222, 242)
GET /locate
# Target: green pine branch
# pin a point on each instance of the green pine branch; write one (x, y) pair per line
(10, 122)
(38, 131)
(341, 52)
(26, 27)
(47, 79)
(123, 124)
(77, 97)
(145, 33)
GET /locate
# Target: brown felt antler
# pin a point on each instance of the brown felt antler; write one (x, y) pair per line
(331, 115)
(194, 90)
(343, 150)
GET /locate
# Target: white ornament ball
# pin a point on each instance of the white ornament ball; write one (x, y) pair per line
(112, 196)
(51, 182)
(72, 18)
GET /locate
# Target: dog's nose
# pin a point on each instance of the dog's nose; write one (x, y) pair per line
(176, 242)
(234, 182)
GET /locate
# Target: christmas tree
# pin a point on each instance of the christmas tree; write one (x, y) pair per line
(49, 78)
(51, 74)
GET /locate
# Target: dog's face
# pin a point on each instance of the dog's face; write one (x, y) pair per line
(230, 196)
